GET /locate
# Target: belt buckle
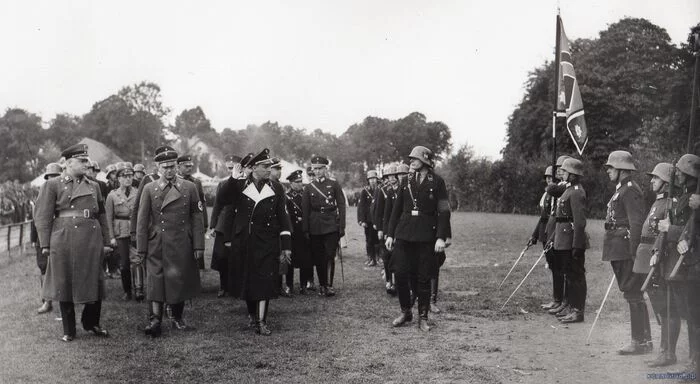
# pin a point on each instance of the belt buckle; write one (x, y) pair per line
(86, 213)
(414, 212)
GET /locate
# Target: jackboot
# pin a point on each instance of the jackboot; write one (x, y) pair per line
(177, 321)
(261, 319)
(153, 329)
(406, 316)
(137, 274)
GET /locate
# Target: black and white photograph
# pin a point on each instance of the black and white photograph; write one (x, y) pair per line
(389, 191)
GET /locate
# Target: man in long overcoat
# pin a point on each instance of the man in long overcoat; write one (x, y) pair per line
(72, 231)
(261, 236)
(170, 235)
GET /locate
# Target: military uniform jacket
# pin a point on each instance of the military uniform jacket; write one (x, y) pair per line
(146, 179)
(623, 222)
(323, 207)
(301, 253)
(570, 229)
(169, 230)
(388, 206)
(680, 219)
(555, 191)
(202, 198)
(649, 234)
(364, 206)
(540, 231)
(261, 229)
(421, 212)
(118, 209)
(691, 262)
(74, 271)
(380, 196)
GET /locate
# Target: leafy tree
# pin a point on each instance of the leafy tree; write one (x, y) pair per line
(21, 132)
(191, 122)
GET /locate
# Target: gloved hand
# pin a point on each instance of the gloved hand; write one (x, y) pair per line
(682, 247)
(654, 259)
(531, 242)
(389, 243)
(663, 225)
(113, 243)
(45, 251)
(380, 235)
(448, 242)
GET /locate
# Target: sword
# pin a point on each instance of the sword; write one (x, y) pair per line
(514, 264)
(600, 309)
(339, 254)
(526, 276)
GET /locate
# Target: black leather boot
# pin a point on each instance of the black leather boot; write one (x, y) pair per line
(406, 316)
(261, 319)
(177, 320)
(153, 329)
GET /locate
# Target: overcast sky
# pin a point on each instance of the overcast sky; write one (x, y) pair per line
(311, 64)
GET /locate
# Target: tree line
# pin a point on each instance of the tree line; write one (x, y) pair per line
(636, 90)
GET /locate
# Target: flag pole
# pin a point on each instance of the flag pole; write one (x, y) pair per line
(556, 94)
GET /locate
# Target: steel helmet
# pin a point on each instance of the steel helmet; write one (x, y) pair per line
(560, 159)
(663, 171)
(621, 160)
(402, 169)
(548, 172)
(423, 154)
(689, 165)
(390, 170)
(371, 174)
(52, 169)
(573, 166)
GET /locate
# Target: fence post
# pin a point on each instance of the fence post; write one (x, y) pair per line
(9, 232)
(21, 238)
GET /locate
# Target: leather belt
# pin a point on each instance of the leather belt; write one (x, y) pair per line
(565, 219)
(122, 217)
(612, 226)
(324, 209)
(420, 213)
(77, 213)
(648, 240)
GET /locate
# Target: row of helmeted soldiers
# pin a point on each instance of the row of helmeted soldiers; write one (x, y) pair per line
(640, 244)
(409, 205)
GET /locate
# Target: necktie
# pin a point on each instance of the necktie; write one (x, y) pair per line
(128, 191)
(418, 178)
(167, 188)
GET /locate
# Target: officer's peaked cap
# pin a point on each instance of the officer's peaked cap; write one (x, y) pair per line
(77, 151)
(185, 160)
(261, 158)
(295, 176)
(318, 161)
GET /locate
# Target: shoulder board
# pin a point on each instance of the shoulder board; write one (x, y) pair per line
(330, 178)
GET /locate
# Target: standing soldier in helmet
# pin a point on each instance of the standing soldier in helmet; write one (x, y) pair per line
(185, 168)
(623, 229)
(664, 307)
(677, 242)
(540, 231)
(139, 173)
(556, 261)
(420, 223)
(571, 241)
(364, 217)
(52, 170)
(380, 197)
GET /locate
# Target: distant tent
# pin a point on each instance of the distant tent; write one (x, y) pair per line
(100, 153)
(38, 181)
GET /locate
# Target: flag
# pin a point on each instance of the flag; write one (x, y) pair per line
(569, 101)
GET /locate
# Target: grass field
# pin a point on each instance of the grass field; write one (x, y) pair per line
(347, 338)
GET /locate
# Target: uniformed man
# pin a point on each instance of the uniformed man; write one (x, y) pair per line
(185, 168)
(623, 228)
(146, 179)
(52, 170)
(170, 236)
(119, 208)
(420, 223)
(310, 286)
(261, 235)
(665, 309)
(139, 174)
(540, 232)
(92, 170)
(687, 173)
(222, 218)
(382, 194)
(72, 231)
(301, 249)
(111, 175)
(323, 209)
(276, 169)
(395, 179)
(688, 245)
(556, 261)
(571, 241)
(365, 207)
